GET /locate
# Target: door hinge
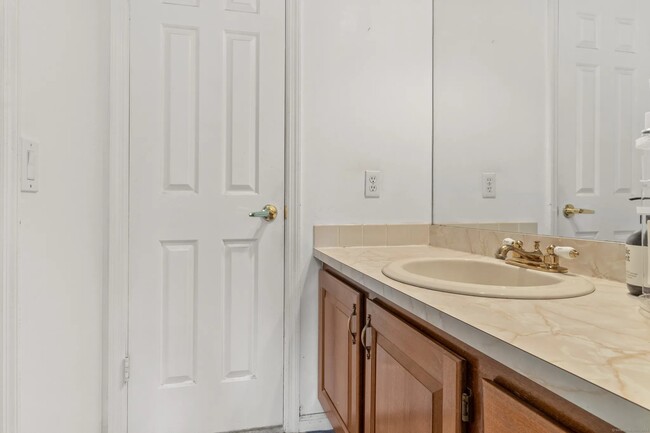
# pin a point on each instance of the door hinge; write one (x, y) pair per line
(466, 405)
(126, 369)
(286, 213)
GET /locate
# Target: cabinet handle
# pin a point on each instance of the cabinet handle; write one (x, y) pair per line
(363, 336)
(354, 314)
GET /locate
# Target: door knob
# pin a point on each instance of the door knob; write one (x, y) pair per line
(269, 213)
(569, 211)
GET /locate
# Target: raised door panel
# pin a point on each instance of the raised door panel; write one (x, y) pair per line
(339, 378)
(413, 385)
(206, 281)
(403, 403)
(602, 86)
(503, 412)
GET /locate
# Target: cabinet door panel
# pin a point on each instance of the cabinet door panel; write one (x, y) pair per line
(413, 385)
(503, 412)
(403, 403)
(339, 377)
(336, 372)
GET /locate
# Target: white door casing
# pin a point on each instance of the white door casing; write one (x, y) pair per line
(206, 281)
(9, 187)
(602, 94)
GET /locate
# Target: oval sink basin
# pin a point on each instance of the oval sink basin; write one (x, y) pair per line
(491, 279)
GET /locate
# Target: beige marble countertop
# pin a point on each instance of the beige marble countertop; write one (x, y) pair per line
(593, 350)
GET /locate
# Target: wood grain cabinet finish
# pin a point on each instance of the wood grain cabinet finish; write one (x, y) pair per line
(412, 384)
(503, 412)
(339, 355)
(383, 370)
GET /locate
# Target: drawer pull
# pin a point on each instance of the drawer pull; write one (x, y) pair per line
(363, 336)
(352, 333)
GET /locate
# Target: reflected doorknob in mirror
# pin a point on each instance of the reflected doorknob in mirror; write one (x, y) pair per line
(575, 152)
(269, 213)
(569, 211)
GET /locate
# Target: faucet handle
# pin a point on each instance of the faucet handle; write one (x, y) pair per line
(566, 252)
(509, 242)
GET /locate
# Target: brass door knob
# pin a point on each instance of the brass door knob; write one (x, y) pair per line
(569, 211)
(269, 213)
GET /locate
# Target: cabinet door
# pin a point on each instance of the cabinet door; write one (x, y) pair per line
(413, 385)
(503, 412)
(339, 354)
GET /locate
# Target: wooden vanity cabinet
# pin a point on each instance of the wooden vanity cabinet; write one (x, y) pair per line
(412, 384)
(504, 412)
(339, 354)
(384, 370)
(502, 400)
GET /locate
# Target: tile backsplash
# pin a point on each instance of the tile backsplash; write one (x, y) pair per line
(597, 259)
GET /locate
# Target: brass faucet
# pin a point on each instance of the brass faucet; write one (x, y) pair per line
(536, 259)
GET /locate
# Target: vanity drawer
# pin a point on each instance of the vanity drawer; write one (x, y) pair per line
(504, 412)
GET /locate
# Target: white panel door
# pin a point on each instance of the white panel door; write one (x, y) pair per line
(207, 148)
(604, 68)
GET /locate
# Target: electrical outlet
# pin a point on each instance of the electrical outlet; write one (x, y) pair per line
(373, 184)
(489, 185)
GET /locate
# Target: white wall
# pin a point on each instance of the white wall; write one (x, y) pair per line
(490, 109)
(366, 104)
(63, 104)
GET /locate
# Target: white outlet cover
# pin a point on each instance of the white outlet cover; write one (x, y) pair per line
(372, 185)
(489, 185)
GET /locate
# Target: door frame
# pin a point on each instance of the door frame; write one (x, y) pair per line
(9, 169)
(115, 398)
(293, 221)
(552, 111)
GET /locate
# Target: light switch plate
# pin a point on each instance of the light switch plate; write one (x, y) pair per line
(29, 166)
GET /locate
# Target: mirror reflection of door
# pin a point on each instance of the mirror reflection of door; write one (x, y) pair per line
(603, 91)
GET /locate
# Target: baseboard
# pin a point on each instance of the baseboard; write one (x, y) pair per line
(314, 422)
(278, 429)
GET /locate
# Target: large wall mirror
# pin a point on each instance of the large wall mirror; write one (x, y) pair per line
(550, 97)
